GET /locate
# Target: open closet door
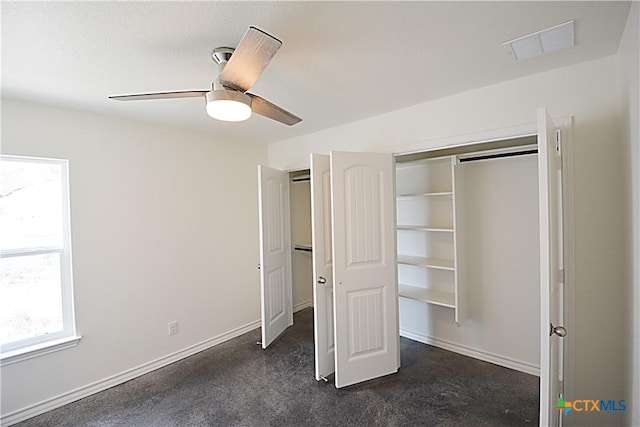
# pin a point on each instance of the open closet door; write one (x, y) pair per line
(275, 256)
(549, 184)
(322, 264)
(364, 266)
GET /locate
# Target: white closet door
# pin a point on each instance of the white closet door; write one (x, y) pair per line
(550, 268)
(322, 264)
(275, 256)
(364, 266)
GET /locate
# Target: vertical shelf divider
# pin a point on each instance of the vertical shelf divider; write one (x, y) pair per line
(457, 172)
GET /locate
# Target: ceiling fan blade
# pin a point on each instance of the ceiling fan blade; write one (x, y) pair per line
(160, 95)
(261, 106)
(250, 58)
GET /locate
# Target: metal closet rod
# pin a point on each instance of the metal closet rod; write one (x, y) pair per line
(301, 179)
(496, 156)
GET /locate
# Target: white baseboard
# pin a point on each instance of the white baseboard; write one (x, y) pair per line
(82, 392)
(302, 306)
(486, 356)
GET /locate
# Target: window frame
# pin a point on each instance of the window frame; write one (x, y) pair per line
(67, 337)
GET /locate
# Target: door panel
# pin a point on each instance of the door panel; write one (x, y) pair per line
(550, 267)
(322, 265)
(275, 257)
(364, 268)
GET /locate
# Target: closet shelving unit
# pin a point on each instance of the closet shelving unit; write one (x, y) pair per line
(427, 232)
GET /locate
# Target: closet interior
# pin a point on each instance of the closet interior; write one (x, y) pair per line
(300, 214)
(468, 250)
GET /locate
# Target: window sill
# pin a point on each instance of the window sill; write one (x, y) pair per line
(37, 350)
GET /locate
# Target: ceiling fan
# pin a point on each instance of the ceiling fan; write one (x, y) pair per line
(238, 70)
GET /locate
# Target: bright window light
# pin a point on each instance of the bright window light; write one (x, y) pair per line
(36, 302)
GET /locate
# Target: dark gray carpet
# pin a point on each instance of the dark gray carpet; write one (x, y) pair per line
(239, 384)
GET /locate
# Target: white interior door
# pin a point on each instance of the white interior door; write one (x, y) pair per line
(322, 265)
(549, 180)
(275, 256)
(364, 266)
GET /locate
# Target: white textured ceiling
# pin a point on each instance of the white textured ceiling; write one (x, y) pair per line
(340, 61)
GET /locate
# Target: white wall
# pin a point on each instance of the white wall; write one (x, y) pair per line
(164, 227)
(629, 89)
(586, 91)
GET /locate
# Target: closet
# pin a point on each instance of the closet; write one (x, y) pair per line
(403, 243)
(354, 263)
(468, 251)
(285, 252)
(301, 252)
(480, 252)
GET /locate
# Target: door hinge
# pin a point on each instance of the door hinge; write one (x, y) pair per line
(559, 149)
(560, 276)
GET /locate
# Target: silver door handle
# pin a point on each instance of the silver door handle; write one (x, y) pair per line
(558, 330)
(322, 280)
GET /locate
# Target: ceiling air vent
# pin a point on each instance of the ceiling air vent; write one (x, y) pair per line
(541, 42)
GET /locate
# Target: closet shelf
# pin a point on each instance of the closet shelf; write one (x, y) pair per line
(303, 247)
(431, 296)
(428, 194)
(448, 229)
(441, 264)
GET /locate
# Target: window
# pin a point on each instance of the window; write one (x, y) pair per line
(36, 295)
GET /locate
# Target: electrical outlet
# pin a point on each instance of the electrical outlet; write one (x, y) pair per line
(173, 327)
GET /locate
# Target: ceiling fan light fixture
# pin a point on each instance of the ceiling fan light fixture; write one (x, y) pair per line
(228, 105)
